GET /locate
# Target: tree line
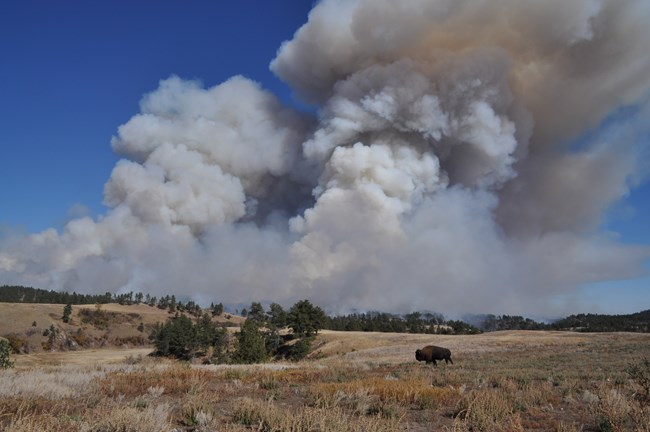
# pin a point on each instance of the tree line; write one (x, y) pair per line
(637, 322)
(258, 340)
(416, 322)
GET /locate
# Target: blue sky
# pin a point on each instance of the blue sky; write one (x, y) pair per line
(73, 71)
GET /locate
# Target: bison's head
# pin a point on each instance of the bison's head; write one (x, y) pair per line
(418, 355)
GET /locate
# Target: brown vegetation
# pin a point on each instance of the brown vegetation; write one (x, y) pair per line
(504, 381)
(28, 326)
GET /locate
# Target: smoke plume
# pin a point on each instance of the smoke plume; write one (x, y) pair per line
(440, 172)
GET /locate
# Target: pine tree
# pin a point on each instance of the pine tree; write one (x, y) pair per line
(251, 347)
(256, 313)
(217, 309)
(305, 319)
(277, 316)
(67, 310)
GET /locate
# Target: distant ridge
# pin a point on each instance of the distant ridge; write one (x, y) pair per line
(21, 294)
(636, 322)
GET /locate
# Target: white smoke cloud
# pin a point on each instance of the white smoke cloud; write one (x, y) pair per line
(437, 175)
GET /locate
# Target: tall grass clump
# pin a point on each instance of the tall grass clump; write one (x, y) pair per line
(488, 410)
(52, 384)
(265, 416)
(416, 393)
(176, 380)
(130, 419)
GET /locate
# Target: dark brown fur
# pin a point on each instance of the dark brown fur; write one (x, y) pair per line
(430, 354)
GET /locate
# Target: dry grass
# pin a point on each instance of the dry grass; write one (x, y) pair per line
(271, 417)
(81, 357)
(508, 381)
(417, 393)
(91, 326)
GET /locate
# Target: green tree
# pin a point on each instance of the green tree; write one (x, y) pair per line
(181, 338)
(177, 337)
(256, 313)
(414, 322)
(141, 327)
(217, 309)
(67, 310)
(277, 316)
(5, 350)
(251, 345)
(209, 335)
(305, 319)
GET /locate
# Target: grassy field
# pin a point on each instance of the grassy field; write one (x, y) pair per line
(503, 381)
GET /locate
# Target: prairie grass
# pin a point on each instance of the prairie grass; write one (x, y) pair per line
(489, 410)
(175, 380)
(270, 417)
(105, 419)
(523, 381)
(410, 392)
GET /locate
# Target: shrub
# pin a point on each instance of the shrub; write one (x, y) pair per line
(5, 348)
(80, 338)
(300, 349)
(639, 373)
(17, 343)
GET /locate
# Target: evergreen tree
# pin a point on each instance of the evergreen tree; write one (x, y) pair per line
(180, 338)
(414, 322)
(209, 335)
(67, 310)
(217, 309)
(176, 337)
(277, 317)
(256, 313)
(305, 319)
(251, 347)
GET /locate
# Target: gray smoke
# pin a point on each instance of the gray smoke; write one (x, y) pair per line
(439, 173)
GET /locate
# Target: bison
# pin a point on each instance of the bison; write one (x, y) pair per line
(430, 354)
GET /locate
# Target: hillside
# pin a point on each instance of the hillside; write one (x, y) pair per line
(29, 325)
(636, 322)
